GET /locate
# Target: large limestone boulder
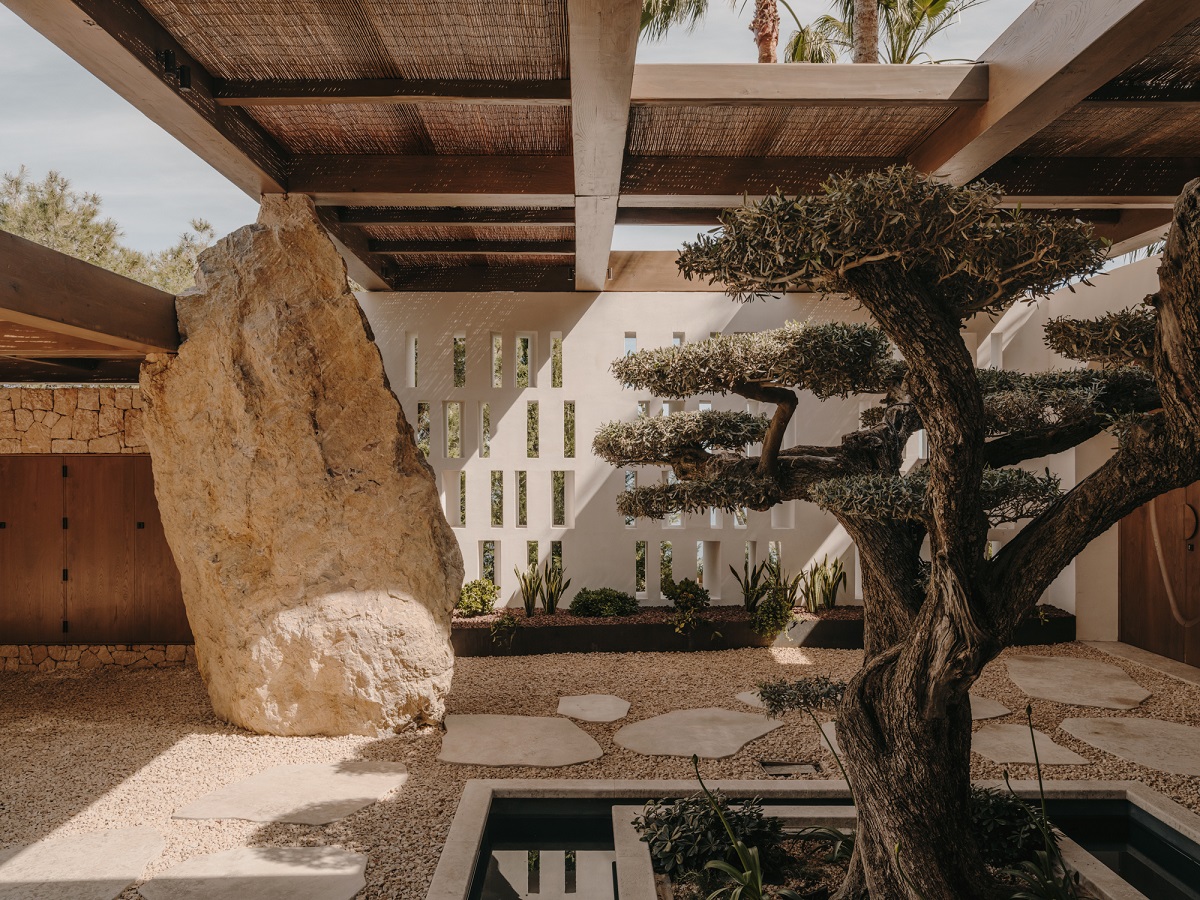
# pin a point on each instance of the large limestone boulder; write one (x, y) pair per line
(318, 569)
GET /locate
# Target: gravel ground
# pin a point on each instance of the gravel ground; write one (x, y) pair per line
(105, 749)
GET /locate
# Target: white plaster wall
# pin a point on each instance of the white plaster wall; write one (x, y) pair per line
(598, 548)
(1087, 587)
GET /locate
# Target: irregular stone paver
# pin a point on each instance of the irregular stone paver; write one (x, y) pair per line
(593, 707)
(263, 873)
(96, 866)
(1011, 744)
(1166, 746)
(1076, 682)
(986, 708)
(487, 740)
(829, 730)
(711, 733)
(313, 794)
(751, 698)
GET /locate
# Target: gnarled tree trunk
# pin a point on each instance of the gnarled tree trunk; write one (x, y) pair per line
(765, 26)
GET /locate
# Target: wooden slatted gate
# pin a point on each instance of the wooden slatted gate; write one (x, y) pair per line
(83, 558)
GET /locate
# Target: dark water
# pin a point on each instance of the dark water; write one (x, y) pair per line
(550, 849)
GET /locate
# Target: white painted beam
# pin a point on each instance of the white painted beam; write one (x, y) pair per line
(1050, 59)
(603, 45)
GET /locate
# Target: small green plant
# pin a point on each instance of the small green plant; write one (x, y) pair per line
(787, 586)
(689, 600)
(754, 582)
(532, 588)
(684, 834)
(553, 587)
(1002, 827)
(603, 603)
(744, 881)
(504, 629)
(820, 583)
(773, 614)
(842, 842)
(478, 598)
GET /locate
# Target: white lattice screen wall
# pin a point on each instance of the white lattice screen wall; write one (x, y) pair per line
(598, 548)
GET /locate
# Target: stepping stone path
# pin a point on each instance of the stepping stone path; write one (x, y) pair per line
(593, 707)
(829, 729)
(751, 698)
(263, 873)
(1076, 682)
(710, 733)
(487, 740)
(96, 866)
(1166, 746)
(1011, 744)
(986, 708)
(313, 794)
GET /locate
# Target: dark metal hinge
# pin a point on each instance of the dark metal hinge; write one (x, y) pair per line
(64, 522)
(64, 574)
(64, 471)
(65, 626)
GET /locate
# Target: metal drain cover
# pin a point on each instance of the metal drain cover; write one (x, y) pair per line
(782, 768)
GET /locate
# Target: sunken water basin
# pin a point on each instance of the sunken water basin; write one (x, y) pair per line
(529, 838)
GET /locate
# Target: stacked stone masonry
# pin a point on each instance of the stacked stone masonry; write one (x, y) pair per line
(63, 657)
(71, 420)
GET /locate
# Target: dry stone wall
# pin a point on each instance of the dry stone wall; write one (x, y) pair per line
(71, 420)
(48, 658)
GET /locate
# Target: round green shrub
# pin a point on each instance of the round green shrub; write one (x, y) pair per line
(603, 602)
(773, 614)
(1004, 828)
(478, 598)
(686, 595)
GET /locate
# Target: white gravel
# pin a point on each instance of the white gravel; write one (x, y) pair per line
(107, 749)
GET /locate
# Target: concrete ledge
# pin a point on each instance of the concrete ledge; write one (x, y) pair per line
(635, 869)
(1161, 664)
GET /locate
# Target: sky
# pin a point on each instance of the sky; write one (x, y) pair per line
(56, 115)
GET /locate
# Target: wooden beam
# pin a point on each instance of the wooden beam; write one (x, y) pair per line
(704, 216)
(440, 248)
(392, 92)
(18, 370)
(1137, 228)
(351, 243)
(117, 42)
(603, 37)
(1051, 58)
(1073, 182)
(368, 180)
(478, 279)
(35, 343)
(733, 176)
(442, 218)
(44, 289)
(808, 84)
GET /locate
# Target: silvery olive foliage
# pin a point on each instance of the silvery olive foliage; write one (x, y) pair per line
(1121, 338)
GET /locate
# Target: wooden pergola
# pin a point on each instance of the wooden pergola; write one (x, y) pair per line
(466, 146)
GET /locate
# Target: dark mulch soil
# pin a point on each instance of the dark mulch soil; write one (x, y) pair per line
(807, 872)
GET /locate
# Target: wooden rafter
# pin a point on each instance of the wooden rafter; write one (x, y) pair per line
(475, 279)
(1056, 54)
(47, 290)
(603, 45)
(392, 91)
(506, 248)
(440, 218)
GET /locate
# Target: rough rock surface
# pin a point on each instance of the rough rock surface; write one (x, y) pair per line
(318, 569)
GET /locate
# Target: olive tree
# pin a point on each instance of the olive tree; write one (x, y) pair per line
(922, 257)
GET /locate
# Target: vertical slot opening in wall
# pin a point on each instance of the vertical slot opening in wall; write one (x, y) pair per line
(453, 422)
(562, 486)
(630, 342)
(643, 409)
(630, 485)
(665, 566)
(709, 557)
(526, 361)
(714, 517)
(410, 361)
(532, 427)
(672, 519)
(423, 426)
(639, 569)
(485, 430)
(497, 499)
(783, 515)
(775, 553)
(751, 557)
(556, 556)
(569, 429)
(497, 360)
(531, 553)
(460, 360)
(677, 339)
(740, 517)
(462, 498)
(489, 560)
(450, 503)
(556, 359)
(700, 563)
(704, 406)
(522, 499)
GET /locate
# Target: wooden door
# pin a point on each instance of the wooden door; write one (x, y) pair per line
(1146, 616)
(100, 561)
(158, 600)
(31, 550)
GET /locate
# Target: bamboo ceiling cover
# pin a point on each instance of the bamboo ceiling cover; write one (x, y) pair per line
(1097, 129)
(252, 40)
